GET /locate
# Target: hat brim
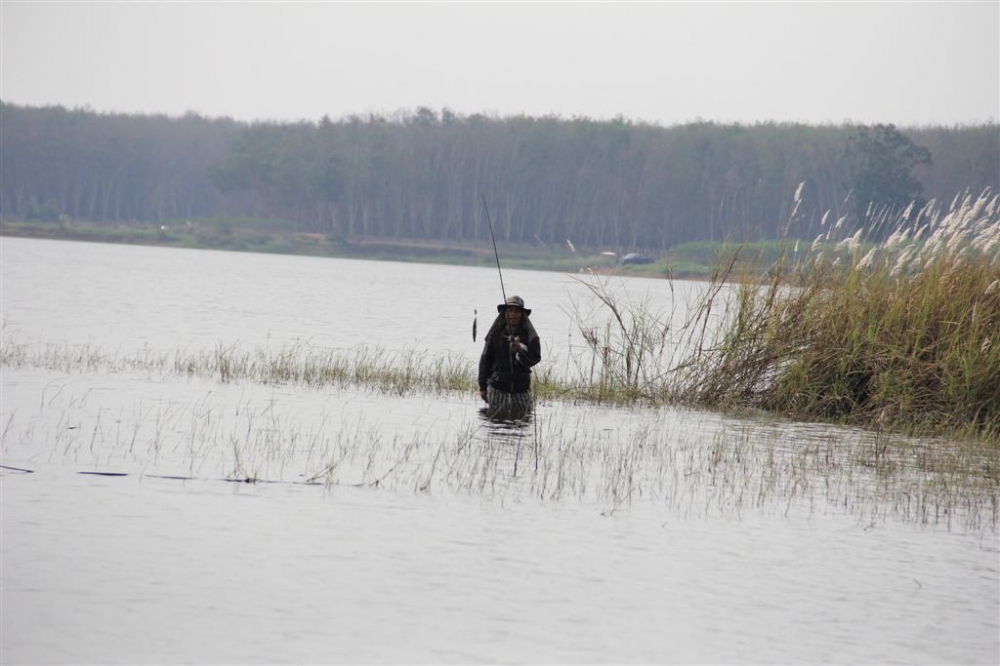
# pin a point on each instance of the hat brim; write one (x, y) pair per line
(503, 306)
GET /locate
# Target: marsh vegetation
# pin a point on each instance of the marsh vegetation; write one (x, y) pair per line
(890, 344)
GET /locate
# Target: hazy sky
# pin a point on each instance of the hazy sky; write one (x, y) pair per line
(909, 63)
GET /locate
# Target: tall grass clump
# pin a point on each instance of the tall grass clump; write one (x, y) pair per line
(901, 334)
(624, 360)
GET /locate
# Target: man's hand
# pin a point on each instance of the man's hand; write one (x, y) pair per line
(482, 394)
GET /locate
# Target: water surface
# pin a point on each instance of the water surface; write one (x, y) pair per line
(406, 528)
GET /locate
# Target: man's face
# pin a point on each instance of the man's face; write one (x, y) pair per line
(513, 316)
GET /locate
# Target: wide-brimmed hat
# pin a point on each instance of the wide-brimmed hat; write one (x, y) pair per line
(514, 302)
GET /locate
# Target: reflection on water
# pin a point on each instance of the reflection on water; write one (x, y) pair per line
(386, 527)
(517, 434)
(500, 420)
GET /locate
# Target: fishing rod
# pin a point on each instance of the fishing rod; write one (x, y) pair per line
(503, 292)
(495, 252)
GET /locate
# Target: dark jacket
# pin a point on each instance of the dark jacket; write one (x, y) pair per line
(495, 362)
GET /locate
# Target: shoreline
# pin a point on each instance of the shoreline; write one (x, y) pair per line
(224, 238)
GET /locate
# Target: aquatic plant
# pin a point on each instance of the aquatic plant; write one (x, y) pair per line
(374, 368)
(692, 464)
(899, 335)
(622, 360)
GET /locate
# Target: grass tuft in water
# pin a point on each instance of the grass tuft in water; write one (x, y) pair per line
(903, 335)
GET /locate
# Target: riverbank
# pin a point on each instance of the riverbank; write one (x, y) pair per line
(690, 261)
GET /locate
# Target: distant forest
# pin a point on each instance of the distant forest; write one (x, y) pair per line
(423, 175)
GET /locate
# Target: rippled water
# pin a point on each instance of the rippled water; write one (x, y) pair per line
(408, 528)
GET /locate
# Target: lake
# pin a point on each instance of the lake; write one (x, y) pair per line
(405, 527)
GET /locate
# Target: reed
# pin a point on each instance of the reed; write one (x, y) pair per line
(622, 359)
(400, 373)
(900, 335)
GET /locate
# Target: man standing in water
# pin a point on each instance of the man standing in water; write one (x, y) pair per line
(510, 350)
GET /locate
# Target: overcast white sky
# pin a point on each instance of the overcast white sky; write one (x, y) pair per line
(909, 63)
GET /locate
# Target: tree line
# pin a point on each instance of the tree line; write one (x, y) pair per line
(424, 174)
